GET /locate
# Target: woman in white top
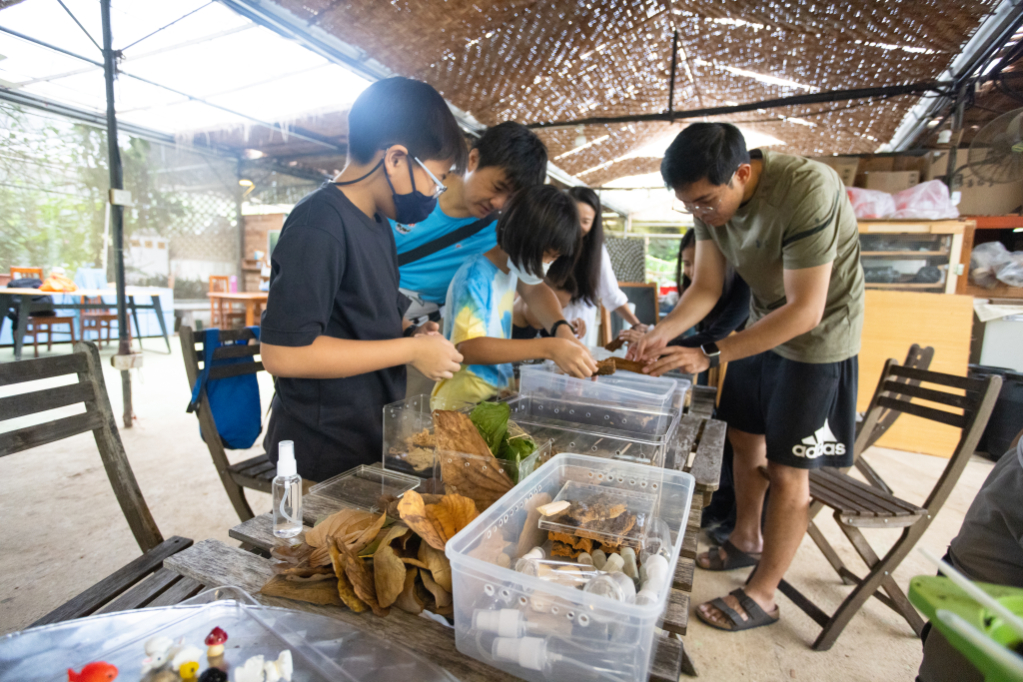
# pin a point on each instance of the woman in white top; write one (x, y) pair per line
(581, 285)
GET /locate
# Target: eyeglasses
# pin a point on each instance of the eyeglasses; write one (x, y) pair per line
(440, 188)
(686, 208)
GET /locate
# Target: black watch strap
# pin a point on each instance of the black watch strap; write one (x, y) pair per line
(554, 328)
(409, 331)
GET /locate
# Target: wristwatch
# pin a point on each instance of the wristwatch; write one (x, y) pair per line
(712, 352)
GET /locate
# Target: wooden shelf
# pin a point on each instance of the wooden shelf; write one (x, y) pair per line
(1000, 291)
(903, 254)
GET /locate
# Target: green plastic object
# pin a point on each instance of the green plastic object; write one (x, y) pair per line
(1000, 663)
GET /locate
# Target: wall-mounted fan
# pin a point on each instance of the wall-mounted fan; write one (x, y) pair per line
(996, 153)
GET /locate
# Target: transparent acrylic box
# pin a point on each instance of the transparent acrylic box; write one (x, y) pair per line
(409, 447)
(652, 393)
(364, 485)
(599, 430)
(571, 634)
(625, 382)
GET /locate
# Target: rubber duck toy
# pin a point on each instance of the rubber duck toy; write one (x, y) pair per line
(186, 662)
(93, 672)
(215, 641)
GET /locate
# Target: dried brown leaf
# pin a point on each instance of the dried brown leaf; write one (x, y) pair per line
(491, 549)
(345, 590)
(415, 562)
(452, 514)
(408, 600)
(338, 523)
(388, 575)
(441, 596)
(322, 593)
(361, 579)
(295, 554)
(367, 535)
(413, 513)
(438, 564)
(467, 465)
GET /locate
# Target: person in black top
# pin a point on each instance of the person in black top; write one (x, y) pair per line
(728, 314)
(332, 333)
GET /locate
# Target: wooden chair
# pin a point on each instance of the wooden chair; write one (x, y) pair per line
(859, 505)
(5, 279)
(144, 579)
(257, 472)
(42, 324)
(221, 315)
(917, 358)
(100, 321)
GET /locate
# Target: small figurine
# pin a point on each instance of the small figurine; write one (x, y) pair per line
(629, 566)
(250, 671)
(280, 669)
(213, 675)
(215, 641)
(599, 559)
(94, 672)
(158, 653)
(186, 662)
(614, 563)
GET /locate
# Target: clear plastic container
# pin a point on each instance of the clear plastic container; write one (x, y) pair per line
(560, 632)
(632, 391)
(410, 447)
(626, 380)
(626, 434)
(616, 516)
(322, 649)
(364, 485)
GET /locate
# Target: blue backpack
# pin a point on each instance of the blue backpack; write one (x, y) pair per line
(234, 401)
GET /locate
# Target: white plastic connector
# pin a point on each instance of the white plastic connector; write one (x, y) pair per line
(503, 623)
(528, 652)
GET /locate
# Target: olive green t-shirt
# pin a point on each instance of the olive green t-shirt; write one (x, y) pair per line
(798, 217)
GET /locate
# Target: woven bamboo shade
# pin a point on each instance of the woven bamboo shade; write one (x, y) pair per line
(564, 60)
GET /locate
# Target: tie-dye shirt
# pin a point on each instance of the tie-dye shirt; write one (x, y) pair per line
(479, 303)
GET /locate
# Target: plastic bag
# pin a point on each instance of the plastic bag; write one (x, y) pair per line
(986, 261)
(928, 200)
(1012, 272)
(870, 203)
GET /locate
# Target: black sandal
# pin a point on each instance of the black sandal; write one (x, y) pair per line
(734, 558)
(755, 616)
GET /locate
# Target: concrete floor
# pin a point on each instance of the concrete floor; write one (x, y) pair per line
(62, 531)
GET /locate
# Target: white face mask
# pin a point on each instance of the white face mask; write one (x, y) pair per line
(526, 277)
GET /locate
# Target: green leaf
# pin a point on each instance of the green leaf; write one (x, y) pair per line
(491, 420)
(517, 449)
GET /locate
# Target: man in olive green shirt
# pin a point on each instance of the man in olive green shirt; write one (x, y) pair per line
(785, 224)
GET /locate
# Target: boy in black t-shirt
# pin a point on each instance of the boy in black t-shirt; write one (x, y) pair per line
(332, 333)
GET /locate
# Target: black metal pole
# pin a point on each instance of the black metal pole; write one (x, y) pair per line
(674, 64)
(116, 210)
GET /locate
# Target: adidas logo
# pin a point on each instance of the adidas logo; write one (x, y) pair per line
(820, 442)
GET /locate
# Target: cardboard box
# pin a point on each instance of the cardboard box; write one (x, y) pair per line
(977, 197)
(891, 181)
(845, 166)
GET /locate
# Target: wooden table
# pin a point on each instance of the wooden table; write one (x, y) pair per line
(253, 300)
(26, 306)
(213, 563)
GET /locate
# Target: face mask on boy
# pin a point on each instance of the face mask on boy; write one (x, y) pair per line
(527, 277)
(410, 208)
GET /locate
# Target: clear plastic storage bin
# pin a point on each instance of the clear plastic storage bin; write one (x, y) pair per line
(410, 448)
(626, 380)
(625, 434)
(647, 393)
(364, 485)
(549, 630)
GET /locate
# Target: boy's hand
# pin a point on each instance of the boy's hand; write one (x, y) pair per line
(579, 325)
(649, 346)
(435, 356)
(572, 357)
(427, 329)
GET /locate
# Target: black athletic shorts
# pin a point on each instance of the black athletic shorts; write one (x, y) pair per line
(807, 412)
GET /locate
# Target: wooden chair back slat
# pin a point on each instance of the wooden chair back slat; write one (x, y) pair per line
(240, 369)
(929, 377)
(956, 420)
(219, 283)
(98, 418)
(894, 388)
(235, 352)
(23, 272)
(226, 336)
(47, 432)
(41, 368)
(24, 404)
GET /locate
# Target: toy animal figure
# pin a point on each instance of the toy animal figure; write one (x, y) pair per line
(281, 669)
(159, 651)
(186, 662)
(93, 672)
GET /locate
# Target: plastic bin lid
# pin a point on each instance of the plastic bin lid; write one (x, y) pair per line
(364, 485)
(606, 513)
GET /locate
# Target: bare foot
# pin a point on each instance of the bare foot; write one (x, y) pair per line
(714, 615)
(724, 559)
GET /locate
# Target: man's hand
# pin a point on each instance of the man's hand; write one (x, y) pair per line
(631, 336)
(427, 329)
(572, 357)
(650, 345)
(435, 356)
(642, 328)
(688, 360)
